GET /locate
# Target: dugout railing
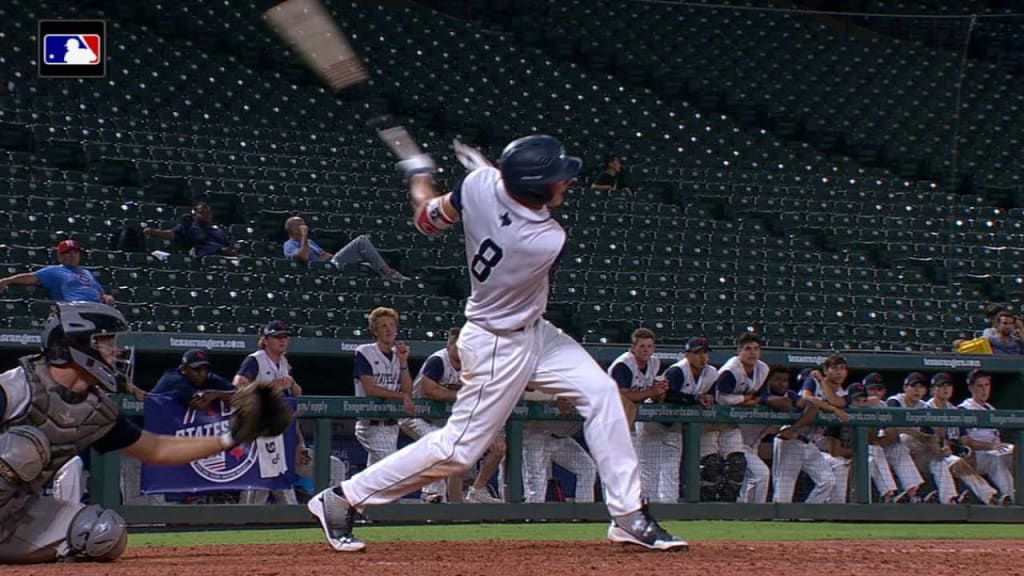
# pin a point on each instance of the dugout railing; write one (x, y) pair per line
(104, 483)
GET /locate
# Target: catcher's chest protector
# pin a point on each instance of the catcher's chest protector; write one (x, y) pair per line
(70, 426)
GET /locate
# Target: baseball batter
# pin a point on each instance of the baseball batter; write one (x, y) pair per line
(55, 404)
(635, 371)
(511, 244)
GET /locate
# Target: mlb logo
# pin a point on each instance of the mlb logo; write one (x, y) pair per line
(72, 48)
(64, 49)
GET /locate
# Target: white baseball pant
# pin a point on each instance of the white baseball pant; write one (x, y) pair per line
(540, 449)
(499, 365)
(417, 428)
(878, 468)
(379, 440)
(69, 481)
(660, 448)
(902, 464)
(757, 476)
(789, 457)
(998, 466)
(965, 473)
(924, 457)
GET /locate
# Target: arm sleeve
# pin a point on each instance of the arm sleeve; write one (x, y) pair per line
(808, 384)
(892, 403)
(623, 376)
(726, 383)
(433, 368)
(250, 369)
(362, 366)
(456, 196)
(291, 247)
(123, 434)
(99, 285)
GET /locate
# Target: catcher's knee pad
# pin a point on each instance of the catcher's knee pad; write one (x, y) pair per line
(711, 468)
(735, 467)
(97, 534)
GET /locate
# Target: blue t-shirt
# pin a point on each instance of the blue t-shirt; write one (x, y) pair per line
(67, 284)
(1010, 346)
(433, 368)
(202, 240)
(173, 383)
(292, 247)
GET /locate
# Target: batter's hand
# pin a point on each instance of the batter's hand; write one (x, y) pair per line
(469, 157)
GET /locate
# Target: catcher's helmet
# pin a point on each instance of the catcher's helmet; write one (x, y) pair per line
(528, 165)
(69, 337)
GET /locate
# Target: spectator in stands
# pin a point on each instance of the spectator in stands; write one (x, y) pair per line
(993, 456)
(613, 177)
(66, 282)
(992, 311)
(269, 365)
(1005, 341)
(300, 247)
(198, 234)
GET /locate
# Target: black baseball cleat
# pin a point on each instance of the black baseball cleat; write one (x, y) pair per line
(336, 518)
(640, 529)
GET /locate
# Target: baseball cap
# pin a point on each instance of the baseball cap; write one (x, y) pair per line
(697, 345)
(195, 358)
(873, 380)
(68, 245)
(942, 378)
(915, 378)
(856, 390)
(806, 373)
(276, 328)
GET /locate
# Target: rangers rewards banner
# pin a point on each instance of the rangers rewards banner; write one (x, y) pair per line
(237, 469)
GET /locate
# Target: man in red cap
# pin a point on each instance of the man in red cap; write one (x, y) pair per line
(65, 282)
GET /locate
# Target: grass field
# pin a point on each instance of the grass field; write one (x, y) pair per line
(692, 531)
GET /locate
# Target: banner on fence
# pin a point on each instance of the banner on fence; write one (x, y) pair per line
(266, 464)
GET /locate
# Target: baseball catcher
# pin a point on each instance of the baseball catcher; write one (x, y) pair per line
(55, 404)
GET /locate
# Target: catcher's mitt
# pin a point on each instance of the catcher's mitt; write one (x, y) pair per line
(259, 410)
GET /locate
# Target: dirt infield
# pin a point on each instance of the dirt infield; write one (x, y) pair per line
(836, 558)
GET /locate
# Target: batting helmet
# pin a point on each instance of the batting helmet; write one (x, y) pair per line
(529, 165)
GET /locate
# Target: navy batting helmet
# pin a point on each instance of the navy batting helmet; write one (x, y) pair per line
(529, 165)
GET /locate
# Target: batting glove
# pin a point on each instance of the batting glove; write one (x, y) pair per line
(418, 164)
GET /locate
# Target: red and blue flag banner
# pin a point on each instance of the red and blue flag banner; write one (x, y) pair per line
(236, 469)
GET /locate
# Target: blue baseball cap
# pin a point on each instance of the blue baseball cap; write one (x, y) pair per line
(698, 345)
(856, 390)
(195, 358)
(276, 328)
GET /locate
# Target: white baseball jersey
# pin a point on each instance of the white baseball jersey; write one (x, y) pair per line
(269, 370)
(901, 400)
(980, 434)
(386, 371)
(509, 287)
(694, 386)
(449, 378)
(642, 379)
(745, 383)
